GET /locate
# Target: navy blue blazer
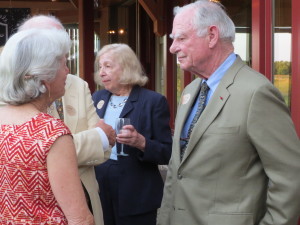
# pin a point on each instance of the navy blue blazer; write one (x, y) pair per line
(141, 185)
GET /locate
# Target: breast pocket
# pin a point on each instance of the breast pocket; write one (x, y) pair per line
(223, 130)
(230, 219)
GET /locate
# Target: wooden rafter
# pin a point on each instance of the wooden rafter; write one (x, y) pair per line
(74, 3)
(156, 12)
(40, 5)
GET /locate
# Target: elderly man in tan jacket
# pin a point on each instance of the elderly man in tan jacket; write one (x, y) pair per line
(237, 163)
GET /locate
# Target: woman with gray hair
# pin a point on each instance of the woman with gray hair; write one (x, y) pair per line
(130, 183)
(38, 165)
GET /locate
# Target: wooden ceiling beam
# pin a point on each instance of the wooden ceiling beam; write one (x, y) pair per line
(74, 3)
(155, 10)
(67, 16)
(40, 5)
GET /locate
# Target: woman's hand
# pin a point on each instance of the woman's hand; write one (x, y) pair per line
(129, 136)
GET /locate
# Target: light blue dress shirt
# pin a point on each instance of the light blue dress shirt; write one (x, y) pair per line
(212, 82)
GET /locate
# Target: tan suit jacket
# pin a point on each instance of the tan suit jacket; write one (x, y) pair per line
(242, 162)
(80, 116)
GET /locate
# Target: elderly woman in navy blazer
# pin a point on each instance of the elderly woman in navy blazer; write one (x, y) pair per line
(131, 186)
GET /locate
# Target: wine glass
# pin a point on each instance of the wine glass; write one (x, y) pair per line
(120, 122)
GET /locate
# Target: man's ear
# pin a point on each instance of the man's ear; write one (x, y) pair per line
(213, 35)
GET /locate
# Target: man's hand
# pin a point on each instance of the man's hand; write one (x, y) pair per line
(108, 130)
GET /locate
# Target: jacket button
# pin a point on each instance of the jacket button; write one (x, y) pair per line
(179, 176)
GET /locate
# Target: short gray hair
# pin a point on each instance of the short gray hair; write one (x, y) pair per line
(28, 58)
(133, 73)
(208, 13)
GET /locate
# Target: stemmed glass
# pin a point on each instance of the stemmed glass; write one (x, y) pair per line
(120, 122)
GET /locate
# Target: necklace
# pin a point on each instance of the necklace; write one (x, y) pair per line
(50, 109)
(117, 105)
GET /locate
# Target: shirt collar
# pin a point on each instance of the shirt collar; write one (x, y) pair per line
(215, 78)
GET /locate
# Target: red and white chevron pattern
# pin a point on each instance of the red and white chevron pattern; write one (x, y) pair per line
(25, 193)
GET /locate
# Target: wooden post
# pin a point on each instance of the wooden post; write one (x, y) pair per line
(86, 42)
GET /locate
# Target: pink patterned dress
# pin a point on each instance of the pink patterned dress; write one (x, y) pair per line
(25, 193)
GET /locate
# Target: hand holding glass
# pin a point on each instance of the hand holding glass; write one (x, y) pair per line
(120, 122)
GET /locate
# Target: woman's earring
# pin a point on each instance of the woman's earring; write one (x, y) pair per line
(49, 94)
(43, 88)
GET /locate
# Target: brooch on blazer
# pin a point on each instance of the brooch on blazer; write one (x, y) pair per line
(185, 99)
(100, 104)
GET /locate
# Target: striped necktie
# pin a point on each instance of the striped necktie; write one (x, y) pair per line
(201, 105)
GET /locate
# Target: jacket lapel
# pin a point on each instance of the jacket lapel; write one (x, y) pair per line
(215, 105)
(133, 97)
(105, 97)
(186, 102)
(70, 102)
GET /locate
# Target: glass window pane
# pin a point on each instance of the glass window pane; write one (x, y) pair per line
(240, 13)
(73, 59)
(282, 48)
(242, 46)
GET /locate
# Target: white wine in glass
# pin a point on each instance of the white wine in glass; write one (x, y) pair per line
(120, 122)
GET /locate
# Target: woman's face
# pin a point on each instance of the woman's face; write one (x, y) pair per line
(110, 72)
(57, 86)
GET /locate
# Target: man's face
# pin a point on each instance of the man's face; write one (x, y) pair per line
(191, 50)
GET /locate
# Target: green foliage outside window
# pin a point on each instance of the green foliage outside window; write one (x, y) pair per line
(282, 67)
(282, 79)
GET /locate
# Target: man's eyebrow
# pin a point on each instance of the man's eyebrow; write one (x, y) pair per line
(173, 36)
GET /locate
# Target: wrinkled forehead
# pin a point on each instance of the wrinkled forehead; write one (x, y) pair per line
(108, 57)
(182, 24)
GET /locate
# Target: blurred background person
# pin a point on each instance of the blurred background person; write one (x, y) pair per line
(38, 168)
(92, 137)
(131, 186)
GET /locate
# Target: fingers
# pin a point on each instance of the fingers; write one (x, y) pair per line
(108, 130)
(128, 135)
(111, 138)
(129, 127)
(127, 131)
(133, 139)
